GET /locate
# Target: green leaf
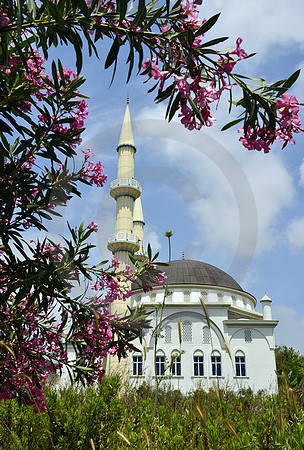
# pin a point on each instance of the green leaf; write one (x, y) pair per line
(174, 106)
(214, 41)
(112, 55)
(141, 13)
(231, 124)
(122, 8)
(207, 25)
(291, 80)
(196, 110)
(32, 8)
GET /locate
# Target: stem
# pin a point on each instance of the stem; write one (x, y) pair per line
(157, 330)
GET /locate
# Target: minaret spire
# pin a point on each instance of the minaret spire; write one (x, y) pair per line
(125, 189)
(126, 134)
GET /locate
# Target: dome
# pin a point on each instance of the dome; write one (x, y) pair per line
(187, 271)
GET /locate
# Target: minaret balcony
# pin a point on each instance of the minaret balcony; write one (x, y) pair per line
(125, 186)
(123, 241)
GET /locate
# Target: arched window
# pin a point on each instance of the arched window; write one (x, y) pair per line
(169, 297)
(160, 363)
(220, 297)
(233, 300)
(216, 364)
(204, 296)
(247, 335)
(240, 364)
(176, 368)
(186, 296)
(206, 335)
(137, 365)
(187, 331)
(168, 334)
(198, 363)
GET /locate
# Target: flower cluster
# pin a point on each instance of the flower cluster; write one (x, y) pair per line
(23, 360)
(94, 173)
(287, 124)
(196, 86)
(201, 81)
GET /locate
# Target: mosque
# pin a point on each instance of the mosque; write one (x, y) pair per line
(209, 330)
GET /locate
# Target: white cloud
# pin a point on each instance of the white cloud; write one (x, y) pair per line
(290, 331)
(264, 26)
(295, 232)
(233, 190)
(152, 238)
(302, 172)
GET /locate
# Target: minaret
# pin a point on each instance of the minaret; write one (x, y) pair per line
(128, 238)
(138, 227)
(125, 190)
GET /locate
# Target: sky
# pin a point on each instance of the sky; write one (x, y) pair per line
(241, 211)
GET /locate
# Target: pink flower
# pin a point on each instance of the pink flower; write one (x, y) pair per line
(227, 64)
(88, 153)
(182, 85)
(155, 72)
(205, 95)
(288, 105)
(93, 226)
(190, 10)
(239, 51)
(166, 28)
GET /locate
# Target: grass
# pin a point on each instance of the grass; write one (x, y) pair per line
(101, 418)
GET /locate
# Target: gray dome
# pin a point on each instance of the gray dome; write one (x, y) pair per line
(187, 271)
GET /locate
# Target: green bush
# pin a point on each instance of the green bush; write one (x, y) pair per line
(112, 416)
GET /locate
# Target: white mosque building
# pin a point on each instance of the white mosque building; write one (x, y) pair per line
(209, 330)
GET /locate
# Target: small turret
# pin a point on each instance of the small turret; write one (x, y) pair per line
(266, 306)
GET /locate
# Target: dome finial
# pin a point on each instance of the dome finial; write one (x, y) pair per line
(183, 255)
(128, 99)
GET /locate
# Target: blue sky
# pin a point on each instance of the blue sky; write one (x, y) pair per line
(241, 211)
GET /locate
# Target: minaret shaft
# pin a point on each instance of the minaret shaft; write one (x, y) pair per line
(124, 214)
(125, 162)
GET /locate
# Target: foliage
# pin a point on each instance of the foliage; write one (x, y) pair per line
(189, 70)
(41, 122)
(103, 418)
(290, 369)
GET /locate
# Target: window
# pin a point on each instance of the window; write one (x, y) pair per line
(169, 297)
(206, 335)
(153, 297)
(216, 365)
(198, 364)
(168, 334)
(247, 335)
(240, 365)
(176, 366)
(160, 364)
(220, 297)
(187, 331)
(233, 300)
(204, 297)
(186, 296)
(137, 365)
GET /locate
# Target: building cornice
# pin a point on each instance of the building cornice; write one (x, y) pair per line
(251, 323)
(202, 287)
